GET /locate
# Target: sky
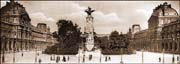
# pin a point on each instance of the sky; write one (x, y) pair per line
(108, 15)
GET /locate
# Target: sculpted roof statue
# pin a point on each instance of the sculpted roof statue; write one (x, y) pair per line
(89, 11)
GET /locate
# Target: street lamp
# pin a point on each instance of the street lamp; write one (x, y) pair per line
(173, 54)
(3, 58)
(35, 53)
(79, 55)
(14, 46)
(143, 55)
(121, 62)
(100, 56)
(163, 55)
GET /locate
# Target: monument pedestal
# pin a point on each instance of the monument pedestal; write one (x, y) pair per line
(87, 53)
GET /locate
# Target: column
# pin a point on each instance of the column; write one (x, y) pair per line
(164, 45)
(178, 45)
(12, 43)
(173, 46)
(7, 46)
(168, 45)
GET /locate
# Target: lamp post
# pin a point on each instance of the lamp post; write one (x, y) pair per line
(79, 55)
(173, 59)
(35, 53)
(143, 55)
(163, 55)
(100, 58)
(3, 57)
(121, 62)
(14, 53)
(14, 46)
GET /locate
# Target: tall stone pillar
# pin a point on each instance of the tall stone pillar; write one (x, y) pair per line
(89, 29)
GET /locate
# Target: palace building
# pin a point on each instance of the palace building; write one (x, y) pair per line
(171, 37)
(162, 32)
(163, 14)
(17, 32)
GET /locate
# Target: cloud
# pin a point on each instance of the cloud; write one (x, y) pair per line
(40, 17)
(109, 15)
(103, 23)
(3, 3)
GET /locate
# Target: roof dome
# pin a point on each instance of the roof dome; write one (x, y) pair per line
(165, 10)
(14, 9)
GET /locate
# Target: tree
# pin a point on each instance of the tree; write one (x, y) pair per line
(114, 35)
(68, 36)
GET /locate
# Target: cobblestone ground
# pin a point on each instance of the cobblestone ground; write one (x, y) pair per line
(149, 57)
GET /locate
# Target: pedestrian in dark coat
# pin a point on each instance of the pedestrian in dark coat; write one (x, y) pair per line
(109, 58)
(40, 61)
(106, 59)
(177, 58)
(22, 54)
(159, 59)
(68, 58)
(51, 57)
(64, 58)
(83, 58)
(173, 59)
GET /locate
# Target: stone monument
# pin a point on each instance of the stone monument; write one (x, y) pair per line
(88, 51)
(89, 30)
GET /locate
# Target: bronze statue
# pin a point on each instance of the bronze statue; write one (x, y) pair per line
(89, 11)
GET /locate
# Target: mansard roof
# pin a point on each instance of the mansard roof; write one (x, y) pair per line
(14, 9)
(164, 9)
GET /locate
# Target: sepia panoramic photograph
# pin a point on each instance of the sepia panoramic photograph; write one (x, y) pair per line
(89, 32)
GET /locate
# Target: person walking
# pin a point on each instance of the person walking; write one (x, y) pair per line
(68, 58)
(40, 61)
(83, 58)
(159, 59)
(109, 58)
(177, 58)
(22, 54)
(51, 58)
(57, 59)
(90, 57)
(173, 59)
(106, 59)
(64, 59)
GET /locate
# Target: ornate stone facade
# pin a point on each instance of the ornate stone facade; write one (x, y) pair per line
(17, 32)
(163, 14)
(140, 38)
(171, 37)
(162, 32)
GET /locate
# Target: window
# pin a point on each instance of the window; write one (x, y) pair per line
(166, 13)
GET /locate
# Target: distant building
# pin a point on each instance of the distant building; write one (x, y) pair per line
(139, 37)
(17, 32)
(140, 40)
(162, 14)
(135, 28)
(162, 32)
(102, 35)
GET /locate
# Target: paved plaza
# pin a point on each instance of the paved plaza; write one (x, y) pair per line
(149, 57)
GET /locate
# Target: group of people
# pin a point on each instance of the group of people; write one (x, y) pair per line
(90, 57)
(108, 58)
(64, 59)
(173, 59)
